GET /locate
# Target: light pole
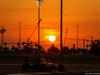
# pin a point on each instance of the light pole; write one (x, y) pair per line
(19, 34)
(61, 28)
(77, 36)
(39, 4)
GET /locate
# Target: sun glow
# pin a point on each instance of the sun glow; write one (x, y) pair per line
(52, 38)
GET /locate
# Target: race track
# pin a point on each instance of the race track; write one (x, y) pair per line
(76, 69)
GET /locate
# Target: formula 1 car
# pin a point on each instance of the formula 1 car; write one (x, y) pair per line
(41, 65)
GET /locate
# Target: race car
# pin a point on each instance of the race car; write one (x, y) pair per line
(41, 65)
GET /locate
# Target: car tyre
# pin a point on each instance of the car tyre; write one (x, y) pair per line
(25, 67)
(43, 67)
(60, 67)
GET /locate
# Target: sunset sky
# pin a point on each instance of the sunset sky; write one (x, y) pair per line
(84, 13)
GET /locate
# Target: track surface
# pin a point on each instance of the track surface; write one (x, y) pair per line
(72, 69)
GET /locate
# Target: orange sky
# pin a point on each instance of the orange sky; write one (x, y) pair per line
(84, 13)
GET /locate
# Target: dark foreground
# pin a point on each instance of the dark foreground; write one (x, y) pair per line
(75, 64)
(75, 69)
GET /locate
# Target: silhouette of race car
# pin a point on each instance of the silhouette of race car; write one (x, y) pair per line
(41, 65)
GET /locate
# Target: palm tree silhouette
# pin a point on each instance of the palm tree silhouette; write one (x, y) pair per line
(2, 32)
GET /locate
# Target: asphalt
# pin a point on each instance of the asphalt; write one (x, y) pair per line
(71, 69)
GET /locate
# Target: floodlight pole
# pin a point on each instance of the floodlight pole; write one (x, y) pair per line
(77, 36)
(61, 29)
(19, 34)
(39, 3)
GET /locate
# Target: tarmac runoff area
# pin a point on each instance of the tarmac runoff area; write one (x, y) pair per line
(72, 69)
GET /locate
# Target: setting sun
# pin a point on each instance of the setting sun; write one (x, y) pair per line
(52, 38)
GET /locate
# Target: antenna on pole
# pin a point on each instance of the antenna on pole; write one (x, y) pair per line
(65, 35)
